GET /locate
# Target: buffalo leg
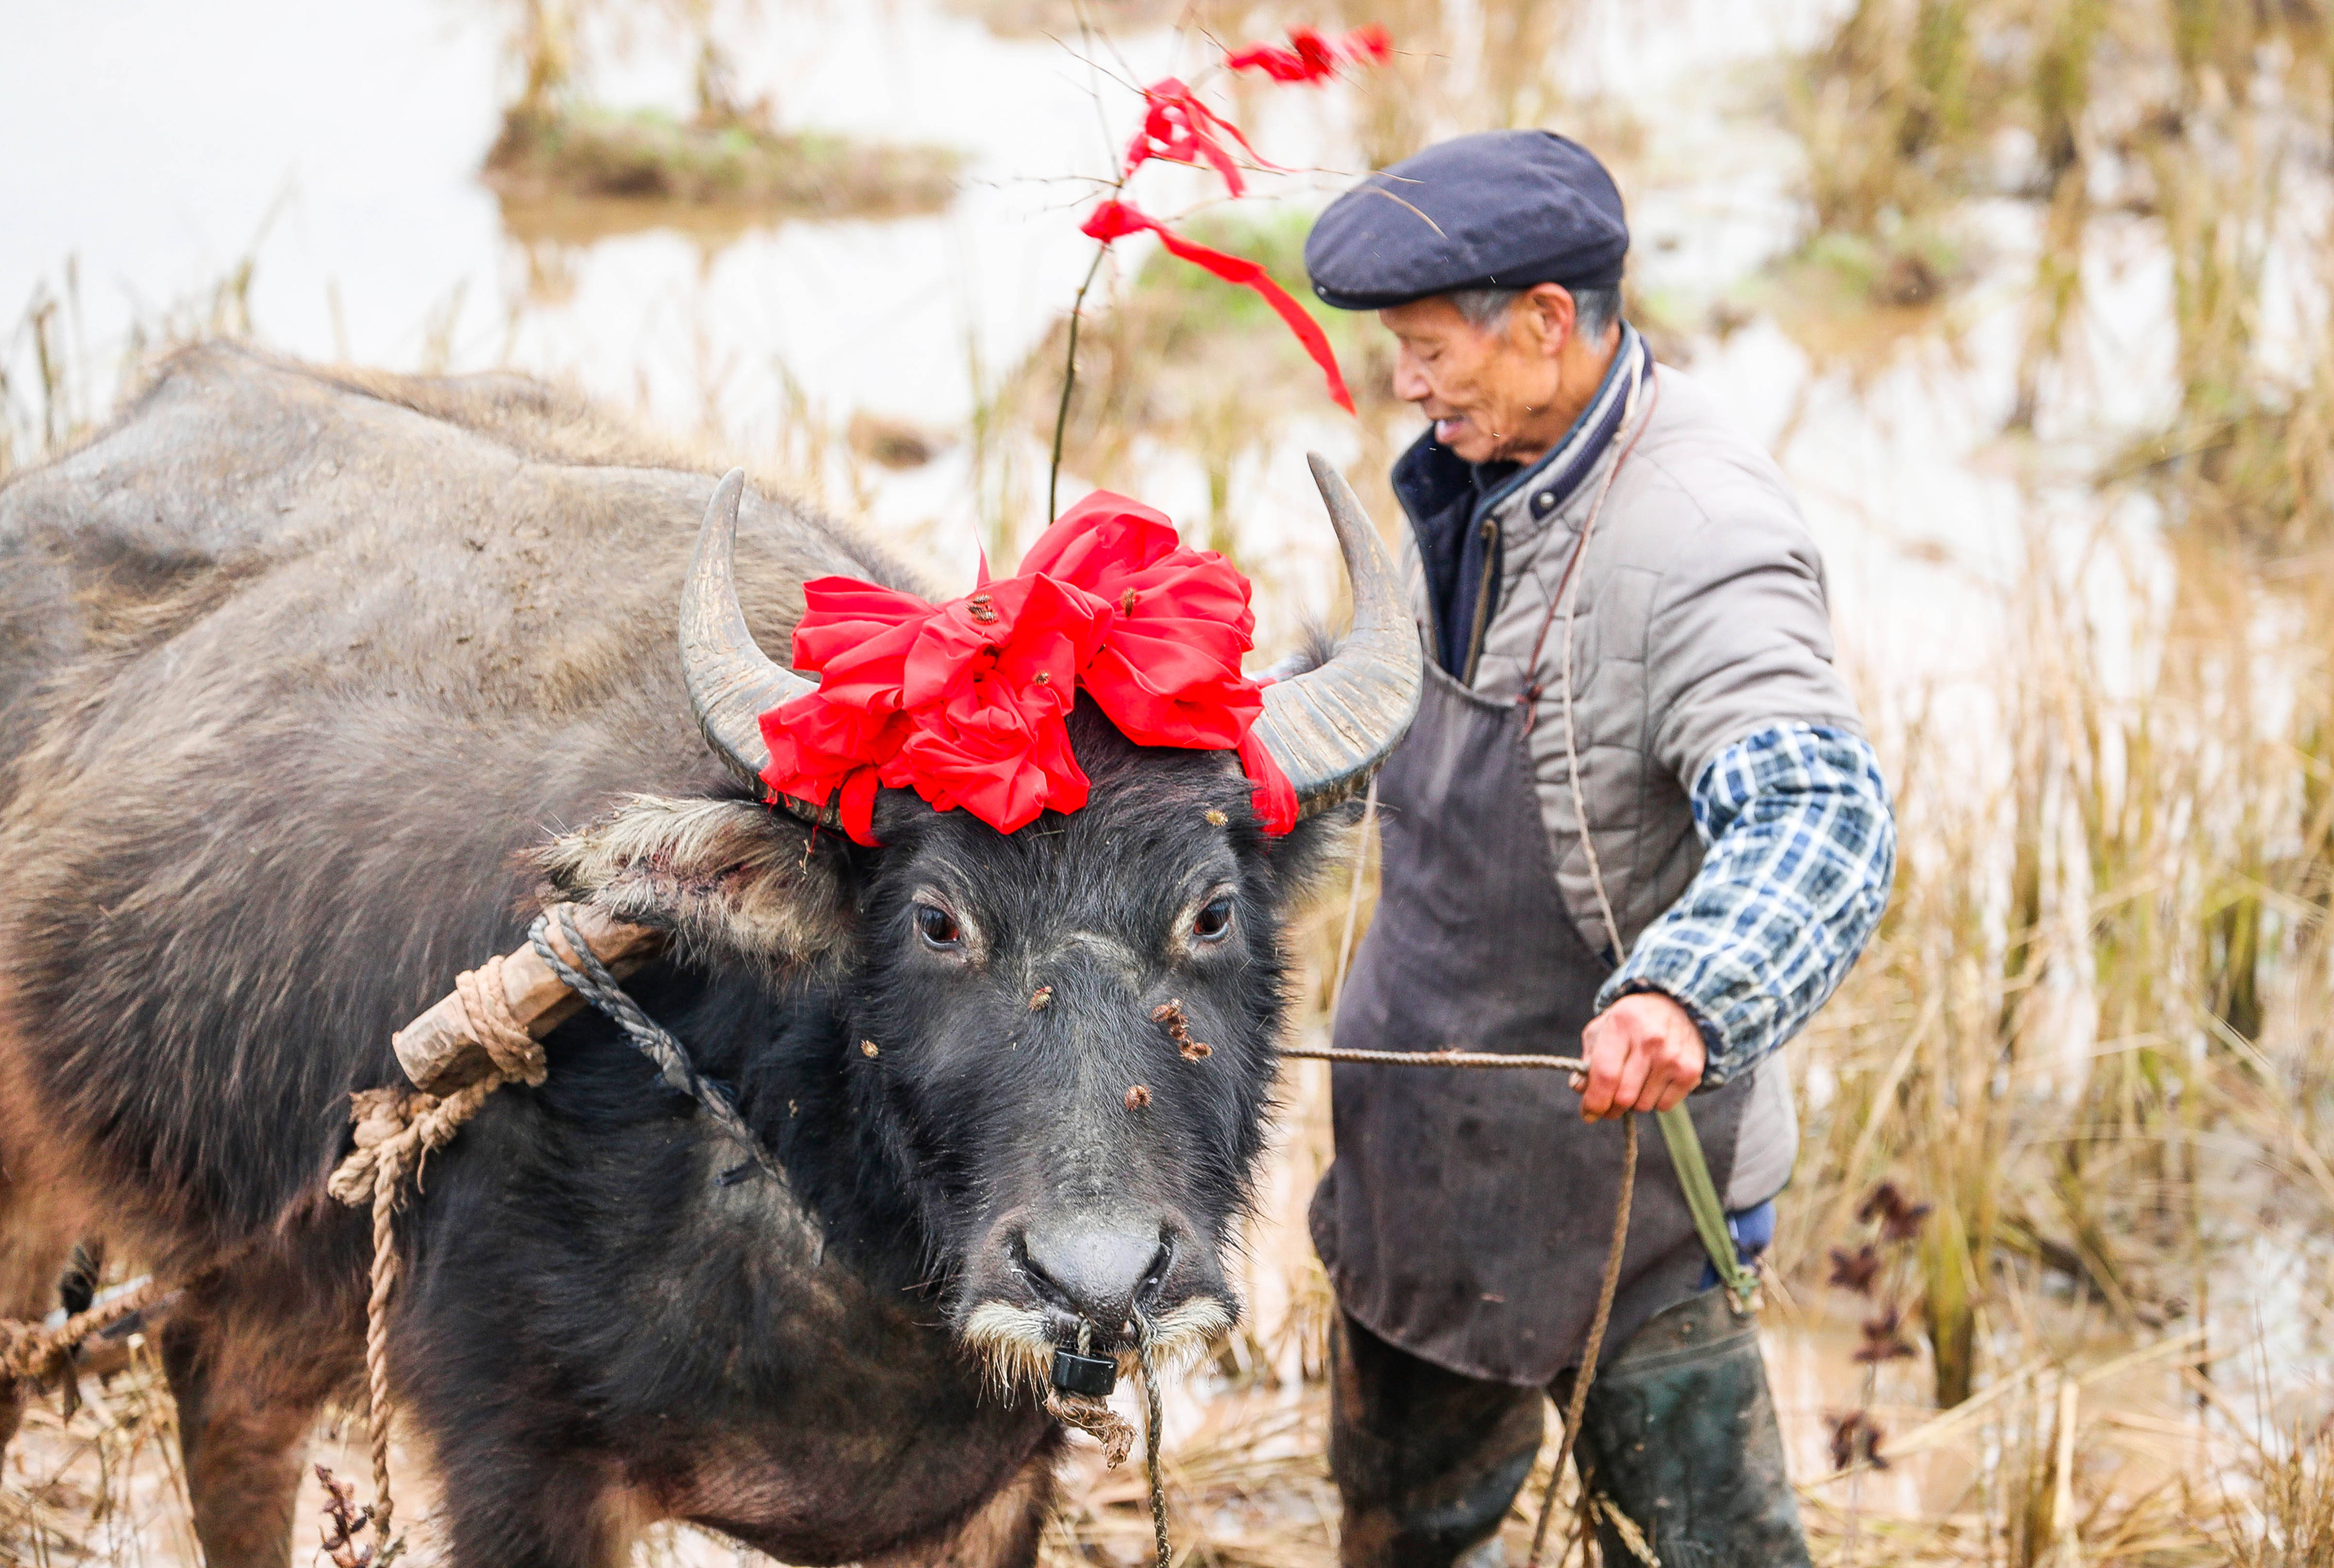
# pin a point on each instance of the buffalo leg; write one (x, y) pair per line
(1002, 1533)
(506, 1512)
(33, 1245)
(248, 1386)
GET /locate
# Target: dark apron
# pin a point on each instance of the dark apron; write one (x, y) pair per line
(1468, 1214)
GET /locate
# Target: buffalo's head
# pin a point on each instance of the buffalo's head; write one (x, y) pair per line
(1064, 1037)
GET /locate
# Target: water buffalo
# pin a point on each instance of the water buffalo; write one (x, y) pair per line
(296, 667)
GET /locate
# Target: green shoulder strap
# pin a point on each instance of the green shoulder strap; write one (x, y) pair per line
(1709, 1217)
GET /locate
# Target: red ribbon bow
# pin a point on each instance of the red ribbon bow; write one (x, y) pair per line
(965, 702)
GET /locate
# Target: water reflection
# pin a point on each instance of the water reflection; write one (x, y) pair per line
(574, 222)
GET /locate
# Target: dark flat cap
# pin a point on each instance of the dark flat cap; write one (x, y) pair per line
(1502, 210)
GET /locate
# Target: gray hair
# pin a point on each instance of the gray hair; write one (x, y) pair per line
(1592, 310)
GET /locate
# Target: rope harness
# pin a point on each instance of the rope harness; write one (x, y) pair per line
(594, 983)
(397, 1128)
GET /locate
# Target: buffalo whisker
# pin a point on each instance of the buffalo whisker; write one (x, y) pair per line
(1013, 1344)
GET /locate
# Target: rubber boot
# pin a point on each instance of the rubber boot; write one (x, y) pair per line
(1679, 1435)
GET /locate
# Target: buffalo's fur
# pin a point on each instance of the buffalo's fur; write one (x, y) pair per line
(297, 669)
(730, 879)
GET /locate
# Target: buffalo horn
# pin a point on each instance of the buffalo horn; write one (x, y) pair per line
(731, 681)
(1330, 727)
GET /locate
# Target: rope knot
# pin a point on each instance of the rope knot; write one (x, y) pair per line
(27, 1353)
(379, 1115)
(516, 1053)
(1105, 1426)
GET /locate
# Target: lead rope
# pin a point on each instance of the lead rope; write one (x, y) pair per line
(1578, 1406)
(1153, 1418)
(1567, 591)
(590, 978)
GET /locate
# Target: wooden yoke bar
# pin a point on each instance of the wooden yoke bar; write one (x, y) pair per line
(439, 1050)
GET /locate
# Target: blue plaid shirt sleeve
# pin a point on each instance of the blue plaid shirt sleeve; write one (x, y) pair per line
(1800, 847)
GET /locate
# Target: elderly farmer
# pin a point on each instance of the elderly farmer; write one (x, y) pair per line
(1637, 814)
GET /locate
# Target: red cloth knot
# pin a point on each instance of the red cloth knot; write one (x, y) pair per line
(965, 702)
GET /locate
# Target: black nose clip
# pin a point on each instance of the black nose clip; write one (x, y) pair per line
(1092, 1376)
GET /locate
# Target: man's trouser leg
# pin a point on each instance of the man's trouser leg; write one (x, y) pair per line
(1426, 1461)
(1679, 1435)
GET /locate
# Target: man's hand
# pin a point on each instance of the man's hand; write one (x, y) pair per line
(1644, 1053)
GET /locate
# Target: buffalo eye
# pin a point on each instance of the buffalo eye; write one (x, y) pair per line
(1214, 918)
(938, 928)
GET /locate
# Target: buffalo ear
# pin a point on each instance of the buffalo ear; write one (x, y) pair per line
(1304, 858)
(730, 879)
(1315, 859)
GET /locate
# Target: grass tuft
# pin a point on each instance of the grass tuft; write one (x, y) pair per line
(583, 150)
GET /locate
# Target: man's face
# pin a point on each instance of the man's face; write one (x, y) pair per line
(1488, 390)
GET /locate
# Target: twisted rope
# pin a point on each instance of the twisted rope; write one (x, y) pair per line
(1578, 1406)
(595, 984)
(486, 1009)
(1154, 1416)
(396, 1130)
(1435, 1058)
(1607, 1288)
(31, 1353)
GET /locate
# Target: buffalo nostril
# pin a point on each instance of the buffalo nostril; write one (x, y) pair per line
(1101, 1273)
(1156, 1276)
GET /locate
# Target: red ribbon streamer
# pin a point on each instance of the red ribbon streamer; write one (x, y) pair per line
(1311, 58)
(1179, 128)
(1114, 220)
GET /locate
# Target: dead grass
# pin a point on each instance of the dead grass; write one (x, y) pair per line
(54, 389)
(1063, 18)
(585, 151)
(558, 146)
(103, 1486)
